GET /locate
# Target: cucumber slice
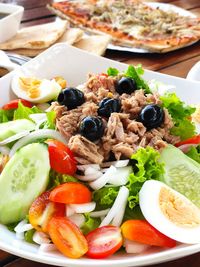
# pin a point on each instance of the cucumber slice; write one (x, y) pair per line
(8, 129)
(23, 179)
(181, 173)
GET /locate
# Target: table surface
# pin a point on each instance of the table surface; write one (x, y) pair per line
(176, 63)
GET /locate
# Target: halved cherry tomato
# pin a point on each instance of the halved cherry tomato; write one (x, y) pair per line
(104, 242)
(67, 237)
(142, 232)
(41, 211)
(14, 104)
(61, 157)
(193, 140)
(71, 193)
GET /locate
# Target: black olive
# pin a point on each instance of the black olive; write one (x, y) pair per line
(71, 98)
(108, 106)
(126, 85)
(91, 128)
(152, 116)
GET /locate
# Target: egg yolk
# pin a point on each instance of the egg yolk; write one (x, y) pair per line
(31, 86)
(178, 211)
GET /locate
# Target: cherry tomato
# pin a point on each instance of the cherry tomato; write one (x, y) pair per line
(14, 104)
(61, 157)
(103, 242)
(42, 209)
(71, 193)
(193, 140)
(67, 237)
(141, 231)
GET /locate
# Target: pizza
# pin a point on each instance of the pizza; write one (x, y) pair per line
(131, 23)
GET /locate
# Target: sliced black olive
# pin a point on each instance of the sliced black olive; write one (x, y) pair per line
(108, 106)
(71, 98)
(126, 85)
(152, 116)
(91, 128)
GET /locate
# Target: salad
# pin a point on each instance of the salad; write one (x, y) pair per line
(110, 165)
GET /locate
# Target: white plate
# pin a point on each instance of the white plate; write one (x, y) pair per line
(74, 65)
(163, 6)
(194, 73)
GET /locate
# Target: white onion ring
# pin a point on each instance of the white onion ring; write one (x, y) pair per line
(47, 248)
(185, 148)
(89, 177)
(117, 163)
(134, 247)
(4, 150)
(83, 208)
(98, 214)
(14, 137)
(44, 133)
(78, 219)
(41, 238)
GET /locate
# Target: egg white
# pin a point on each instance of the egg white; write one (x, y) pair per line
(49, 90)
(149, 204)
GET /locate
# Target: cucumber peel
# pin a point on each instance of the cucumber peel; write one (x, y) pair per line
(24, 178)
(181, 173)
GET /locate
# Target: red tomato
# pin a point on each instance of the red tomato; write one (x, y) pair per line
(67, 237)
(14, 104)
(193, 140)
(61, 157)
(141, 231)
(71, 193)
(104, 241)
(41, 211)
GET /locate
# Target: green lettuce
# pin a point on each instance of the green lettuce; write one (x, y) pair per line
(112, 72)
(194, 153)
(51, 121)
(6, 115)
(90, 224)
(56, 179)
(134, 73)
(28, 236)
(180, 113)
(23, 112)
(146, 166)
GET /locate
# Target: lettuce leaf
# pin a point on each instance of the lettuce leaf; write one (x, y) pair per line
(146, 166)
(56, 179)
(112, 72)
(134, 73)
(90, 224)
(28, 236)
(23, 112)
(194, 153)
(6, 115)
(51, 121)
(180, 113)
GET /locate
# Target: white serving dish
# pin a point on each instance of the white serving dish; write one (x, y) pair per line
(194, 73)
(74, 64)
(10, 24)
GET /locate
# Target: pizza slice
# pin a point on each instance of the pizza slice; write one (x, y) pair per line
(131, 23)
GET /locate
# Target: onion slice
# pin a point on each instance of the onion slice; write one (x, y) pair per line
(14, 137)
(118, 204)
(89, 177)
(78, 219)
(185, 148)
(4, 150)
(23, 226)
(83, 208)
(41, 238)
(47, 248)
(134, 247)
(100, 182)
(98, 214)
(44, 133)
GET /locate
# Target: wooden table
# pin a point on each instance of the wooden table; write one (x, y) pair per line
(176, 63)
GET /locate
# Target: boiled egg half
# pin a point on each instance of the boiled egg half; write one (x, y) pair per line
(35, 90)
(170, 212)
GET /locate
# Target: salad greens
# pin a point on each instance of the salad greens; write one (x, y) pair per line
(51, 119)
(23, 112)
(6, 115)
(56, 179)
(194, 153)
(146, 166)
(28, 236)
(180, 114)
(134, 73)
(90, 224)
